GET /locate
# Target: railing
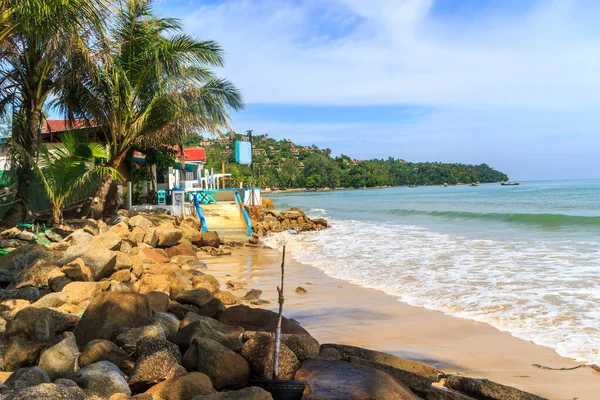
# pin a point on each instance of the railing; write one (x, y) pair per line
(244, 213)
(200, 213)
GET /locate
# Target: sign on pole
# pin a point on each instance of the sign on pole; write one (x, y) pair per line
(243, 152)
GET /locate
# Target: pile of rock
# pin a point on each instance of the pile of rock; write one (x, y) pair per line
(267, 221)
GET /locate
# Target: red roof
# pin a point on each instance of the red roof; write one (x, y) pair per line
(194, 154)
(60, 125)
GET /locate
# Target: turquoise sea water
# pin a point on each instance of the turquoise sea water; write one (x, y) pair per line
(525, 259)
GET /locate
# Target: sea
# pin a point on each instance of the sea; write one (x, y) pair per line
(524, 259)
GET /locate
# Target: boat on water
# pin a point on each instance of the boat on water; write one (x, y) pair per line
(474, 184)
(510, 183)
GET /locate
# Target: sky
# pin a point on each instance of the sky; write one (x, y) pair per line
(512, 83)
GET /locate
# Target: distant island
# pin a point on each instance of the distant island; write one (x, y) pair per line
(283, 164)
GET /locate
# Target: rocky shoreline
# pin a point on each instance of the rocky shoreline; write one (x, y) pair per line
(125, 309)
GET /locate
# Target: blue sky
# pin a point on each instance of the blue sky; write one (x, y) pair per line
(513, 83)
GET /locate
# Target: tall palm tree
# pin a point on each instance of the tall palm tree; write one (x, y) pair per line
(38, 40)
(154, 87)
(69, 168)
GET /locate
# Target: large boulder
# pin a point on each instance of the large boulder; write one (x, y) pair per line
(182, 388)
(80, 292)
(79, 238)
(258, 319)
(59, 360)
(26, 377)
(102, 379)
(49, 391)
(23, 258)
(154, 368)
(249, 393)
(213, 309)
(225, 368)
(111, 311)
(228, 336)
(102, 350)
(139, 221)
(485, 389)
(32, 330)
(196, 297)
(302, 345)
(100, 260)
(260, 353)
(37, 275)
(168, 236)
(329, 379)
(211, 239)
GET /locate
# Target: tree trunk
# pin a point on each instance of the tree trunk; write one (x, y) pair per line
(105, 200)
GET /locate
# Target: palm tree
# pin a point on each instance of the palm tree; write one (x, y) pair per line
(155, 87)
(38, 41)
(69, 168)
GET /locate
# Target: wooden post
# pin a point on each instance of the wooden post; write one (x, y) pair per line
(223, 172)
(278, 330)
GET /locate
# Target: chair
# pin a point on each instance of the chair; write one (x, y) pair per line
(161, 197)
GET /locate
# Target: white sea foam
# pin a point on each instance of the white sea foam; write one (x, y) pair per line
(539, 290)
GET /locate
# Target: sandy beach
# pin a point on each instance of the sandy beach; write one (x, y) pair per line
(335, 311)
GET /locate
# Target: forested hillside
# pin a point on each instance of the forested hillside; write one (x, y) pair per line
(283, 164)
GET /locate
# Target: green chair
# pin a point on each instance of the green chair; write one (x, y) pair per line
(161, 197)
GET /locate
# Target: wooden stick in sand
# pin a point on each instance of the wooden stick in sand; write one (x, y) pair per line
(278, 330)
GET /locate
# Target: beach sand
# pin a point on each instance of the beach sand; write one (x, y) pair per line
(335, 311)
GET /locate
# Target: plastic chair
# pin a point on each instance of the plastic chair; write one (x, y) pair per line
(161, 196)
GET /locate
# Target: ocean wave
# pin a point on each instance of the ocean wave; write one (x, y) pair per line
(548, 220)
(538, 290)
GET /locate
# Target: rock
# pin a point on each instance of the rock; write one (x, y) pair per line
(232, 285)
(196, 297)
(123, 262)
(111, 311)
(330, 353)
(53, 236)
(100, 260)
(80, 292)
(227, 298)
(229, 336)
(259, 351)
(168, 322)
(102, 379)
(483, 388)
(49, 391)
(26, 377)
(66, 382)
(31, 294)
(416, 367)
(129, 339)
(9, 308)
(102, 350)
(107, 241)
(413, 381)
(328, 379)
(155, 368)
(138, 234)
(76, 270)
(211, 239)
(300, 290)
(180, 310)
(140, 222)
(168, 237)
(150, 345)
(21, 259)
(182, 249)
(225, 368)
(59, 360)
(79, 238)
(151, 237)
(208, 282)
(252, 294)
(91, 226)
(30, 331)
(257, 319)
(58, 283)
(182, 388)
(212, 309)
(121, 276)
(302, 345)
(249, 393)
(159, 301)
(441, 393)
(37, 275)
(52, 300)
(152, 256)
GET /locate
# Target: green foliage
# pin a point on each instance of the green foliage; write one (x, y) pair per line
(283, 164)
(70, 167)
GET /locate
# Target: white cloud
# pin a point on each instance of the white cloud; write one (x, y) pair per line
(397, 53)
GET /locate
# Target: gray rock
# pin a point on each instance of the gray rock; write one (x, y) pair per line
(196, 297)
(31, 294)
(168, 322)
(249, 393)
(129, 339)
(59, 360)
(258, 319)
(102, 350)
(37, 274)
(23, 258)
(26, 377)
(66, 382)
(102, 379)
(53, 236)
(228, 336)
(483, 388)
(259, 352)
(100, 260)
(212, 309)
(150, 345)
(79, 238)
(155, 368)
(253, 294)
(225, 368)
(49, 391)
(302, 345)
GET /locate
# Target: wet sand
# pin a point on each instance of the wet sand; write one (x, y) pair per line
(335, 311)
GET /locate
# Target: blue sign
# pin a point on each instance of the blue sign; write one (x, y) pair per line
(243, 152)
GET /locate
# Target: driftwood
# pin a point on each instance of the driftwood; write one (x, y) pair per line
(278, 330)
